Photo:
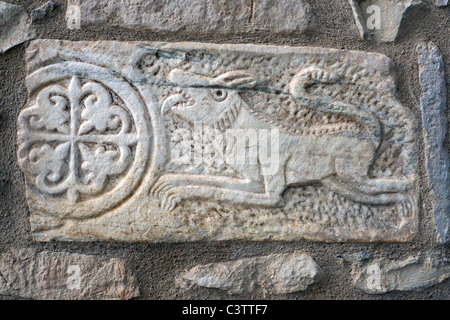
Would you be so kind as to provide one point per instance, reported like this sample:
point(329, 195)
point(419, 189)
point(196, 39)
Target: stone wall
point(97, 97)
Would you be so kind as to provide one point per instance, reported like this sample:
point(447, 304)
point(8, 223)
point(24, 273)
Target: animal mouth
point(179, 101)
point(183, 101)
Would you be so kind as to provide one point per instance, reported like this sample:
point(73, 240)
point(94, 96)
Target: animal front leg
point(173, 195)
point(173, 181)
point(179, 180)
point(171, 189)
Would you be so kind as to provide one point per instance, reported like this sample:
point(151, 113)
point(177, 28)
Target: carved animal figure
point(337, 155)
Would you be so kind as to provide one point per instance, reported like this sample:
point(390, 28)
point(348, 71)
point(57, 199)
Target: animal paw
point(160, 186)
point(169, 199)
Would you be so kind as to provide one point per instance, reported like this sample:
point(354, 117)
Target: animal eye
point(219, 95)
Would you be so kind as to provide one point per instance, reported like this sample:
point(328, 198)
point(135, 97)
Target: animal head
point(211, 100)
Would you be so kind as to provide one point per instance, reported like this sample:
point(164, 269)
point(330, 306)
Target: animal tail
point(298, 88)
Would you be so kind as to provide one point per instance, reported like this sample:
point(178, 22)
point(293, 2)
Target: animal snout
point(177, 101)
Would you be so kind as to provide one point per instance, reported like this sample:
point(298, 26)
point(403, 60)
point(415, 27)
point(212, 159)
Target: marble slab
point(173, 142)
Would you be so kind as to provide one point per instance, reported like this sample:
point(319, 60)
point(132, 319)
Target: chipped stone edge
point(357, 16)
point(27, 31)
point(364, 32)
point(363, 273)
point(185, 282)
point(441, 3)
point(433, 105)
point(32, 292)
point(85, 20)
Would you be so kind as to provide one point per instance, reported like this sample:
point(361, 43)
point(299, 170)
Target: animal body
point(337, 155)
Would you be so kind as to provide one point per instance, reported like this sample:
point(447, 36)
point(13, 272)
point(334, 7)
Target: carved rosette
point(83, 140)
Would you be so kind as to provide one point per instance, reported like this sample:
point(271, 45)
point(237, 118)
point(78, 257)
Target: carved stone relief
point(186, 141)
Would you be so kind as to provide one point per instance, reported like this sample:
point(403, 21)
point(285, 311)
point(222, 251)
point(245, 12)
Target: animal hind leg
point(341, 187)
point(354, 169)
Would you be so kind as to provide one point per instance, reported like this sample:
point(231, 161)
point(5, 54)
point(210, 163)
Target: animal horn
point(237, 78)
point(231, 79)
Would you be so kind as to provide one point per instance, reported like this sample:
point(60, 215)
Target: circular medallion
point(84, 140)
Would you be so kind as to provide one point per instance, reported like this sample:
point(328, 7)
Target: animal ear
point(237, 78)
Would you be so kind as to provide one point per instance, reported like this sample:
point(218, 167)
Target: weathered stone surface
point(202, 16)
point(413, 273)
point(381, 20)
point(70, 276)
point(14, 26)
point(43, 11)
point(441, 3)
point(147, 141)
point(355, 257)
point(273, 274)
point(434, 105)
